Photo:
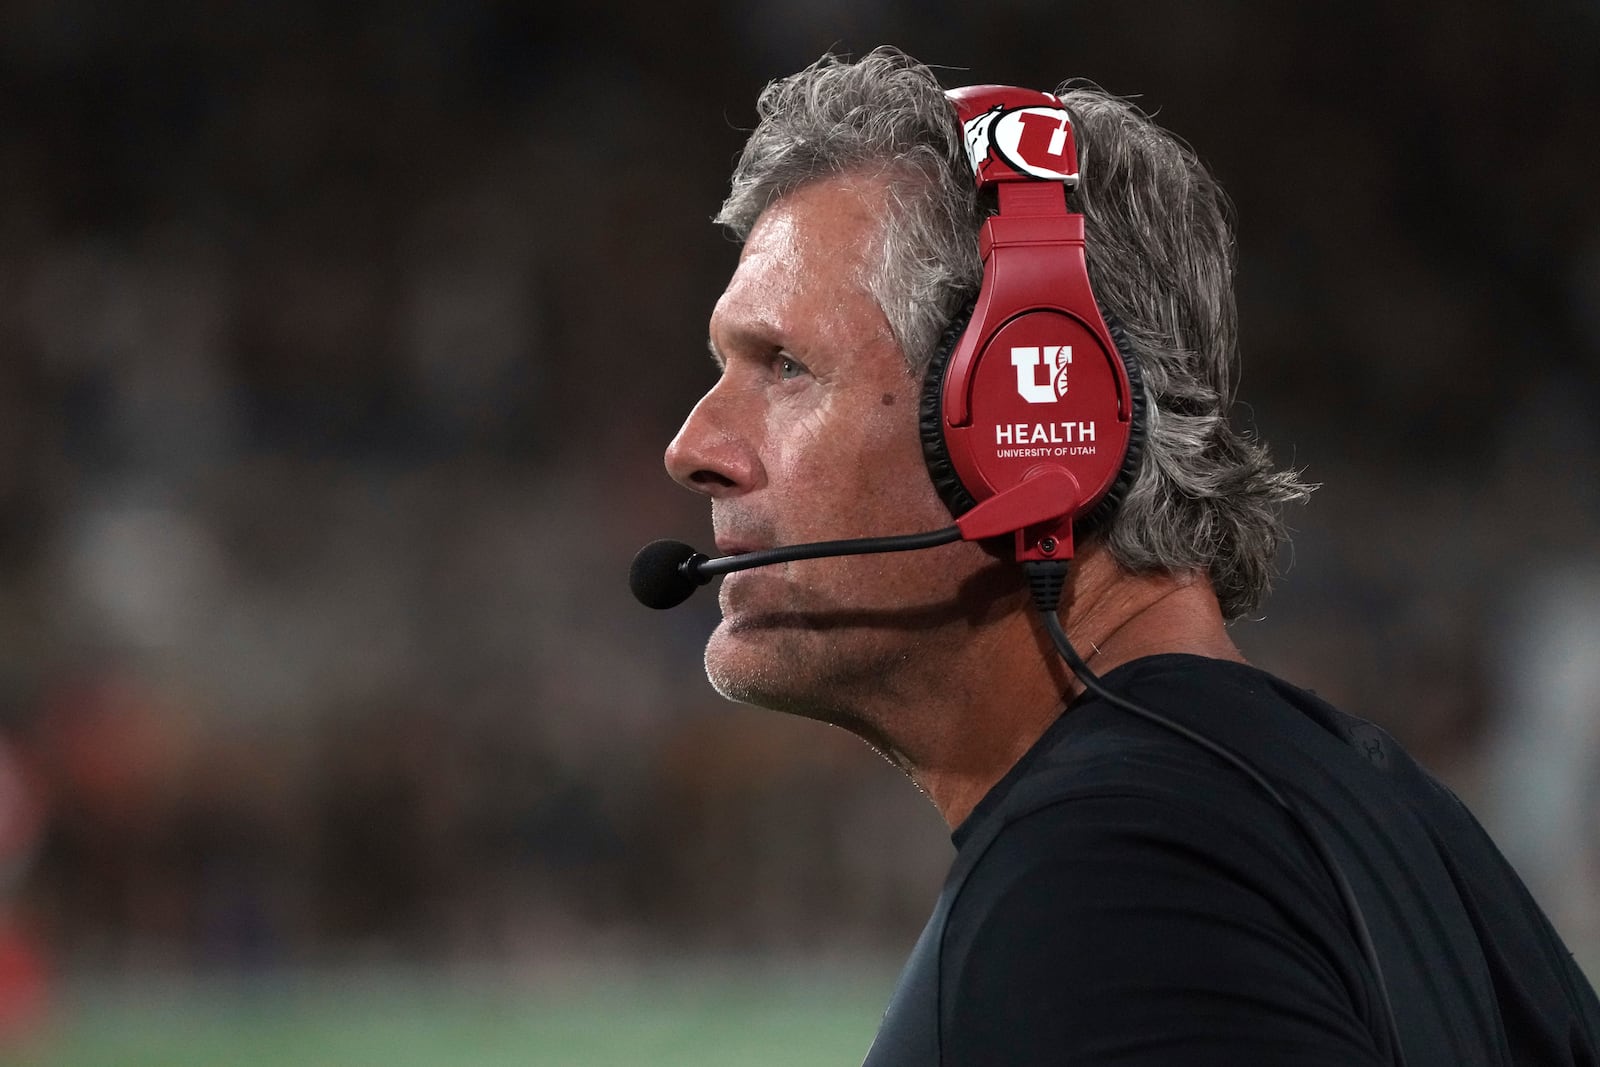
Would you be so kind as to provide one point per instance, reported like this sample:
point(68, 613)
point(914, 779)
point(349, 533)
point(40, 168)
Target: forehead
point(829, 216)
point(807, 258)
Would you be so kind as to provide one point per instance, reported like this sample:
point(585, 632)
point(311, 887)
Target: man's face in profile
point(811, 434)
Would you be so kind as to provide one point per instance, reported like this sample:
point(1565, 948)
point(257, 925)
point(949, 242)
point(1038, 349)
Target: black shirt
point(1122, 896)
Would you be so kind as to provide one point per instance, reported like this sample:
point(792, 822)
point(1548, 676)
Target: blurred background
point(338, 348)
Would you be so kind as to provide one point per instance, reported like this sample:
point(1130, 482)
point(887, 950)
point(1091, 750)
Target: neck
point(980, 714)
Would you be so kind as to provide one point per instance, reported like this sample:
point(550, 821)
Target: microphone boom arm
point(699, 569)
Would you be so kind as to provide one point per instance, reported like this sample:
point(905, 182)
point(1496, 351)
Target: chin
point(769, 666)
point(742, 664)
point(746, 669)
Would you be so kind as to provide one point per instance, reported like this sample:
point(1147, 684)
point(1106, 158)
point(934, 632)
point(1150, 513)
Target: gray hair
point(1160, 252)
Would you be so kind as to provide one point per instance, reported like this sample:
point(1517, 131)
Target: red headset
point(1032, 403)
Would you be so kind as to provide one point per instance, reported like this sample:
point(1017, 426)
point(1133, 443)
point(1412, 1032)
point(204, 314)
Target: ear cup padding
point(936, 454)
point(930, 418)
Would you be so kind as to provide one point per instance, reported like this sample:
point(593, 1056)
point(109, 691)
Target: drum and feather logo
point(1031, 140)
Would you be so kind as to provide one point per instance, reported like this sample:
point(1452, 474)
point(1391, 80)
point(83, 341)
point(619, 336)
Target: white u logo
point(1055, 358)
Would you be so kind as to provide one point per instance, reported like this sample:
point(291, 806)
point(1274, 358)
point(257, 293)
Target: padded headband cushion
point(937, 456)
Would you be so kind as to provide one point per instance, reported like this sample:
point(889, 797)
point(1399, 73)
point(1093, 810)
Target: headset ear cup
point(937, 455)
point(931, 418)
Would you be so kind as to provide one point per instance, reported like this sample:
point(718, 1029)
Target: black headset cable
point(1046, 579)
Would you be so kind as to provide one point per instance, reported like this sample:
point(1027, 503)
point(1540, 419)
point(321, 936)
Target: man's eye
point(789, 367)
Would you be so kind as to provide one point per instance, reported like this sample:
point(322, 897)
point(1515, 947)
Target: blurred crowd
point(340, 344)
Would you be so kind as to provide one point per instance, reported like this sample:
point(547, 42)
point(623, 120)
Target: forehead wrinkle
point(739, 328)
point(758, 308)
point(779, 261)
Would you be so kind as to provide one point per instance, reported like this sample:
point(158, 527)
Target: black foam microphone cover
point(657, 577)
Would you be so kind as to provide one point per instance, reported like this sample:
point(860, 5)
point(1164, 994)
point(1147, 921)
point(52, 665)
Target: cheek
point(862, 459)
point(892, 457)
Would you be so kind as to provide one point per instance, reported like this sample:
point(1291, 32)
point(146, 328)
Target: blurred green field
point(704, 1015)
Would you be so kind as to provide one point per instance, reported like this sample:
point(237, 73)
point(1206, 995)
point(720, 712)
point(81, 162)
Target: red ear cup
point(1031, 379)
point(937, 455)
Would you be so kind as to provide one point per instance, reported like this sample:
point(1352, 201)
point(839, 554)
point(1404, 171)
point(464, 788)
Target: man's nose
point(715, 452)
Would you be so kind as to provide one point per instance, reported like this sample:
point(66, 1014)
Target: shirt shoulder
point(1120, 922)
point(1127, 873)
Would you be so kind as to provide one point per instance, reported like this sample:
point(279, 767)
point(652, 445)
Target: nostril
point(711, 479)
